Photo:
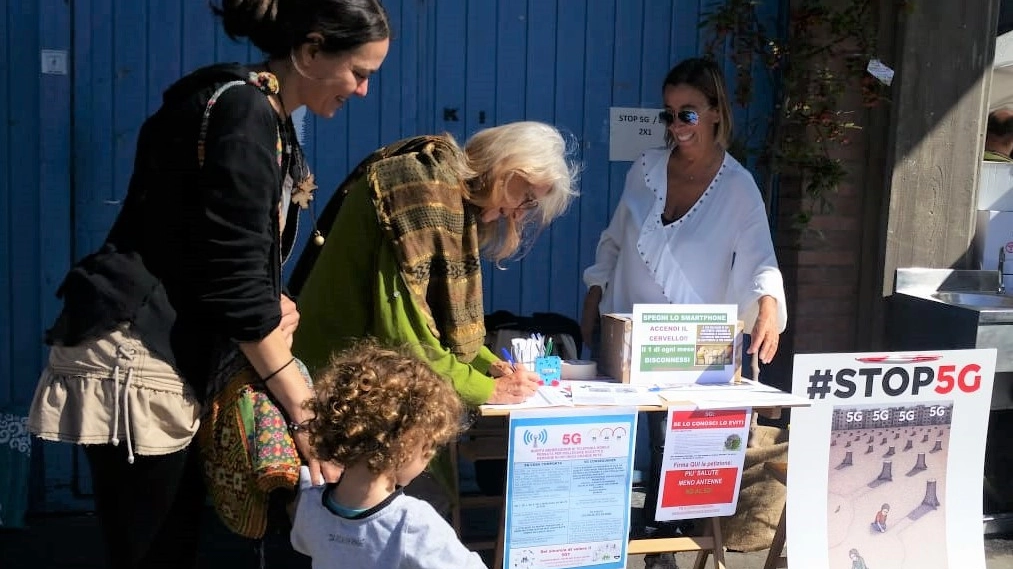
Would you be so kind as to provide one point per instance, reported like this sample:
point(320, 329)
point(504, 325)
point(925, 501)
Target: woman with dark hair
point(690, 228)
point(191, 270)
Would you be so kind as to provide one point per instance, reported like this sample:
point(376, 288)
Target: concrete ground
point(72, 542)
point(998, 555)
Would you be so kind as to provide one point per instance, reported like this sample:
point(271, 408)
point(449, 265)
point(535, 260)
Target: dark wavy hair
point(277, 27)
point(380, 405)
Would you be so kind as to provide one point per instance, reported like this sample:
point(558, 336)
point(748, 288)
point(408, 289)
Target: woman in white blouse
point(690, 228)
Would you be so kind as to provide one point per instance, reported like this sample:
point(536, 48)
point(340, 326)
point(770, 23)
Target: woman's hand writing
point(515, 387)
point(765, 335)
point(499, 368)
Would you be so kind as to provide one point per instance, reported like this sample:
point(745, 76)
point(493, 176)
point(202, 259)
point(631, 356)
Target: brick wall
point(821, 265)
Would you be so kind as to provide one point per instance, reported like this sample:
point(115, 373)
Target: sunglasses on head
point(685, 116)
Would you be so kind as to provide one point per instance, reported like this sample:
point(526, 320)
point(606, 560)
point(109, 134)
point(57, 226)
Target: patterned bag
point(248, 452)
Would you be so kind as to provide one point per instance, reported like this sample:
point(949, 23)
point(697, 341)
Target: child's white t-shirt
point(401, 532)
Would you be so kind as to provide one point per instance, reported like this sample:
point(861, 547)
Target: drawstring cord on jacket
point(128, 355)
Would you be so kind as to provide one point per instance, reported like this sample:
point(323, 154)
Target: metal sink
point(950, 309)
point(976, 299)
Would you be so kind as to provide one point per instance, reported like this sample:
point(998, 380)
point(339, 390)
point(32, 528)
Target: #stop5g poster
point(885, 468)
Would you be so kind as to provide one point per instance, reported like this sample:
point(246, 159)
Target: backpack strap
point(267, 84)
point(309, 255)
point(254, 80)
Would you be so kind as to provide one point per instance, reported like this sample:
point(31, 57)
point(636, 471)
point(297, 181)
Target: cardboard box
point(617, 344)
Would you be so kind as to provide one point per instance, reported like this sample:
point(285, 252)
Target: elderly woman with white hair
point(408, 229)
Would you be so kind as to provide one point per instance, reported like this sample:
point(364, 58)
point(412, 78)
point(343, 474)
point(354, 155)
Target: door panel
point(563, 62)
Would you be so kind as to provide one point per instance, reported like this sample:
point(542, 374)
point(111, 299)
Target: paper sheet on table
point(742, 385)
point(546, 396)
point(599, 393)
point(731, 396)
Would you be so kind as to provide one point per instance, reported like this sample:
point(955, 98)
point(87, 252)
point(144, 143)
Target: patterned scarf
point(420, 206)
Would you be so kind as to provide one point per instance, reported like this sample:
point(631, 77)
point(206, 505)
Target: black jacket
point(194, 257)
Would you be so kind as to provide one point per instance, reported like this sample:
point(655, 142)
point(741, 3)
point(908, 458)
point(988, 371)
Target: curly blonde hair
point(380, 405)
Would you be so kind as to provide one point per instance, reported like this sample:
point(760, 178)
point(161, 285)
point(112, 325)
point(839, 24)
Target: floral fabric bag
point(248, 451)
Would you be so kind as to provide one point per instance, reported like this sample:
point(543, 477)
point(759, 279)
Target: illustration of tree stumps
point(846, 461)
point(930, 502)
point(919, 465)
point(931, 499)
point(885, 475)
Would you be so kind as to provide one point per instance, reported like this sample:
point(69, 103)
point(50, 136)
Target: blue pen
point(506, 355)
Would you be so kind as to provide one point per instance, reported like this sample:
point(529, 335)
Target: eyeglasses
point(512, 190)
point(685, 116)
point(529, 202)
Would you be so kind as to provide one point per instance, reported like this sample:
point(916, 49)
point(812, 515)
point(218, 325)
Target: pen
point(506, 356)
point(548, 347)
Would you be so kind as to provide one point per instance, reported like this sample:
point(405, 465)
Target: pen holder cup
point(549, 368)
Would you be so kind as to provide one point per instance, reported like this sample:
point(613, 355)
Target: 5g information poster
point(569, 474)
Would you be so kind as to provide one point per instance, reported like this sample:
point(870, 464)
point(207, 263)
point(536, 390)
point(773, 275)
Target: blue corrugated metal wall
point(454, 65)
point(36, 208)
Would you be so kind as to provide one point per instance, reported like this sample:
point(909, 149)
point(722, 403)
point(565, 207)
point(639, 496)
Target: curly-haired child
point(382, 413)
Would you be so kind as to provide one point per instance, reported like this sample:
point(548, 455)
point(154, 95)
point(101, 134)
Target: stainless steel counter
point(952, 309)
point(943, 309)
